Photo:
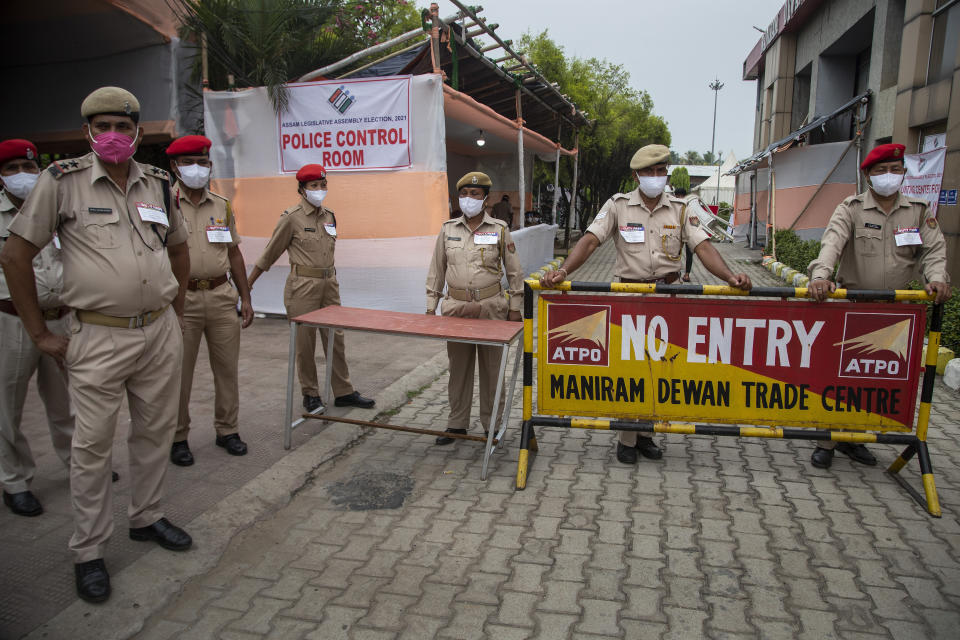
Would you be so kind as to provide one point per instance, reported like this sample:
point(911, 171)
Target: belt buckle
point(137, 322)
point(203, 285)
point(474, 294)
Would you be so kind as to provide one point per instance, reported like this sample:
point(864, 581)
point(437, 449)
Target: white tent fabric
point(713, 191)
point(242, 126)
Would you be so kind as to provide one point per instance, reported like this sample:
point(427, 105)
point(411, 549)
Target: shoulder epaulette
point(498, 221)
point(217, 195)
point(853, 198)
point(617, 196)
point(59, 168)
point(292, 209)
point(156, 172)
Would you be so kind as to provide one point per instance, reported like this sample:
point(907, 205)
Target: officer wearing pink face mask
point(125, 269)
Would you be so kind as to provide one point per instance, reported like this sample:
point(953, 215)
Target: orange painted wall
point(790, 202)
point(397, 204)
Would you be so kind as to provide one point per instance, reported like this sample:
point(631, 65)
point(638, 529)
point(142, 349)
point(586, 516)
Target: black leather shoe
point(821, 458)
point(233, 444)
point(114, 476)
point(353, 400)
point(648, 449)
point(165, 534)
point(23, 503)
point(93, 581)
point(858, 453)
point(312, 403)
point(445, 440)
point(180, 454)
point(627, 455)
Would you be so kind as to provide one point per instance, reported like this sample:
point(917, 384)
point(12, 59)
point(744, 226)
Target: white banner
point(924, 176)
point(346, 125)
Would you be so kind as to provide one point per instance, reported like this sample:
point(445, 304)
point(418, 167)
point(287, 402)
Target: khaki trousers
point(104, 363)
point(212, 314)
point(463, 359)
point(301, 295)
point(19, 359)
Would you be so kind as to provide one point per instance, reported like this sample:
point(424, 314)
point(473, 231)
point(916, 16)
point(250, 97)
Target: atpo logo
point(876, 346)
point(578, 334)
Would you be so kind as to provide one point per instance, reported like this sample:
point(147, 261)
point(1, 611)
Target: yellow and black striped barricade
point(690, 364)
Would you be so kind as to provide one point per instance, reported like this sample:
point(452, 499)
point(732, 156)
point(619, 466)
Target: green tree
point(692, 157)
point(622, 119)
point(270, 42)
point(709, 157)
point(680, 179)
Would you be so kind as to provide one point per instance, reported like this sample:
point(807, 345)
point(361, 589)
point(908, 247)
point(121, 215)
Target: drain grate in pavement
point(372, 490)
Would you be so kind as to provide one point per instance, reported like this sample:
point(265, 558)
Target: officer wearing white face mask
point(649, 229)
point(210, 309)
point(19, 357)
point(308, 233)
point(881, 239)
point(470, 257)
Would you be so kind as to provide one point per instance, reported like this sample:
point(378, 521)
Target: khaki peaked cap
point(650, 155)
point(110, 100)
point(474, 179)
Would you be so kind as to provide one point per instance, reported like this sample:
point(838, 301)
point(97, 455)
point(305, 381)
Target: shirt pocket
point(454, 250)
point(868, 242)
point(102, 226)
point(490, 257)
point(671, 243)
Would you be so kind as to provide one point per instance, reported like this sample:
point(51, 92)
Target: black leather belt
point(669, 278)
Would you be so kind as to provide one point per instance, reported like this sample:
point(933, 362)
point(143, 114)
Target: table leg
point(508, 408)
point(288, 415)
point(491, 428)
point(328, 383)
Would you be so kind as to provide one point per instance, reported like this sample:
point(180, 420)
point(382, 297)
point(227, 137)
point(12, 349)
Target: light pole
point(716, 85)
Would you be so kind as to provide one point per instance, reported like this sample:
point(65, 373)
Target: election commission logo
point(578, 334)
point(341, 99)
point(875, 346)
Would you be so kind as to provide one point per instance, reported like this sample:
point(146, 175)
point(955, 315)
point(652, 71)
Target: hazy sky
point(672, 50)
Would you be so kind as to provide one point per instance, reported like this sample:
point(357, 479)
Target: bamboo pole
point(573, 192)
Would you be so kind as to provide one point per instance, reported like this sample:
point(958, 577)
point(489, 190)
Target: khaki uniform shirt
point(113, 262)
point(207, 259)
point(307, 233)
point(649, 243)
point(460, 262)
point(47, 267)
point(862, 238)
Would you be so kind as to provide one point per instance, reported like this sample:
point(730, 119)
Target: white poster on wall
point(924, 176)
point(346, 125)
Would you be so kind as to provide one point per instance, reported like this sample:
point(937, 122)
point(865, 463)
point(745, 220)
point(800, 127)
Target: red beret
point(16, 148)
point(311, 172)
point(883, 153)
point(190, 146)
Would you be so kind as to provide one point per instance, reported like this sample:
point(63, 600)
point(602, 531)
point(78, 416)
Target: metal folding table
point(498, 333)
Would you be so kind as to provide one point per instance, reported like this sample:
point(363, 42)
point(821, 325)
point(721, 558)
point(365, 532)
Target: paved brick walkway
point(723, 538)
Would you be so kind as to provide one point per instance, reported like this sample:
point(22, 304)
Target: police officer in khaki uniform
point(19, 357)
point(308, 233)
point(650, 229)
point(881, 239)
point(470, 257)
point(125, 267)
point(211, 305)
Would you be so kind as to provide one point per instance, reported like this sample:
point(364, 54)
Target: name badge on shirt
point(906, 236)
point(152, 213)
point(633, 234)
point(485, 237)
point(330, 228)
point(219, 234)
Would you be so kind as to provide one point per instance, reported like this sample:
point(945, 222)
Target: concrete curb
point(785, 273)
point(147, 585)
